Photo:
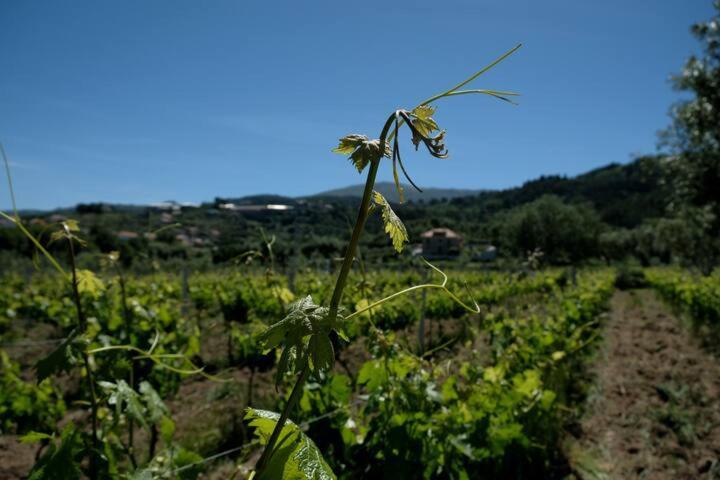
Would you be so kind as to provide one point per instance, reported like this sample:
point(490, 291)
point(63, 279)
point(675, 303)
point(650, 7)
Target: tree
point(564, 233)
point(694, 140)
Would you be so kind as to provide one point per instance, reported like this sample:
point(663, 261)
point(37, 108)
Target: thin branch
point(9, 180)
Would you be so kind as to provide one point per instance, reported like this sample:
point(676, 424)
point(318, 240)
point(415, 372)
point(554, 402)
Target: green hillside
point(614, 198)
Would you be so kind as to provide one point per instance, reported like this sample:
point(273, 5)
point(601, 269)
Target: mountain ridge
point(389, 191)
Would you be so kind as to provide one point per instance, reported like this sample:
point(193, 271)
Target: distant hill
point(388, 190)
point(623, 196)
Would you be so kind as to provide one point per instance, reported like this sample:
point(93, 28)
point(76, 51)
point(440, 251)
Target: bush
point(630, 277)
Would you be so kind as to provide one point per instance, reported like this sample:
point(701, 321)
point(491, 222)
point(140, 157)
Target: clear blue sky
point(143, 101)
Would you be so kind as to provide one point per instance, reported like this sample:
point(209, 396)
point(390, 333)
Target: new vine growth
point(305, 335)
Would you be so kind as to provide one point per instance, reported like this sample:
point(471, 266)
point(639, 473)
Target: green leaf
point(361, 150)
point(57, 235)
point(373, 375)
point(493, 374)
point(424, 112)
point(558, 355)
point(189, 462)
point(156, 409)
point(349, 143)
point(460, 442)
point(361, 304)
point(423, 120)
point(527, 383)
point(322, 353)
point(89, 283)
point(59, 462)
point(71, 225)
point(503, 434)
point(296, 457)
point(62, 359)
point(167, 429)
point(449, 391)
point(340, 388)
point(342, 333)
point(126, 400)
point(547, 399)
point(304, 319)
point(275, 334)
point(393, 225)
point(34, 437)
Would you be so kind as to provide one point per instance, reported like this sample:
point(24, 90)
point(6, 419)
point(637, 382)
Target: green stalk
point(352, 248)
point(359, 224)
point(354, 239)
point(294, 397)
point(18, 223)
point(86, 360)
point(9, 180)
point(131, 374)
point(336, 297)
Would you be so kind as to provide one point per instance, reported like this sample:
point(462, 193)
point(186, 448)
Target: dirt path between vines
point(655, 410)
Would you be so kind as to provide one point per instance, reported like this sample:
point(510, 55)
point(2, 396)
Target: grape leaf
point(373, 375)
point(71, 225)
point(156, 409)
point(167, 429)
point(59, 462)
point(349, 143)
point(361, 150)
point(306, 328)
point(89, 283)
point(393, 225)
point(527, 383)
point(188, 464)
point(295, 457)
point(423, 120)
point(126, 400)
point(34, 437)
point(62, 359)
point(322, 353)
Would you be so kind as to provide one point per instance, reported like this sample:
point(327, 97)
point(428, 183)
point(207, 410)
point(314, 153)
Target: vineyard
point(565, 328)
point(698, 295)
point(479, 394)
point(421, 387)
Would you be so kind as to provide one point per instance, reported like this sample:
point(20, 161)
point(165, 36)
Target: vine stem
point(354, 239)
point(131, 373)
point(93, 474)
point(337, 293)
point(294, 397)
point(18, 223)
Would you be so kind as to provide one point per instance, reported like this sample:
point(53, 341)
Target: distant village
point(435, 244)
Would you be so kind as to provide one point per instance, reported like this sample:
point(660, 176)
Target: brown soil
point(655, 413)
point(16, 458)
